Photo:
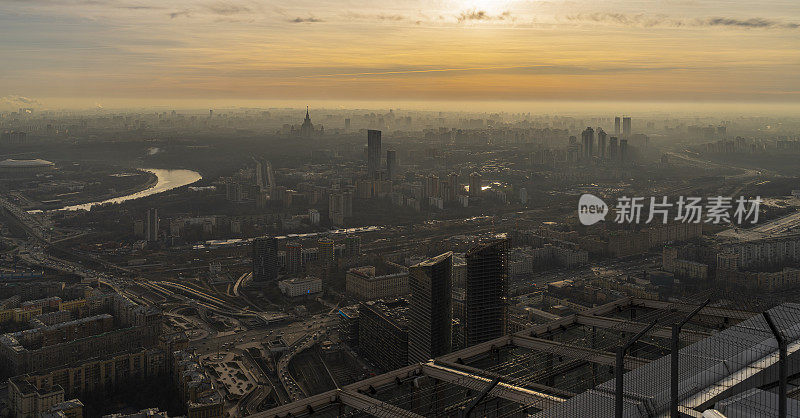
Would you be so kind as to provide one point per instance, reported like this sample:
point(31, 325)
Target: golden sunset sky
point(85, 52)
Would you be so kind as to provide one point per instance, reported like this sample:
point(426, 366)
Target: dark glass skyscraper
point(391, 164)
point(430, 325)
point(587, 137)
point(626, 127)
point(373, 153)
point(487, 274)
point(601, 143)
point(152, 225)
point(265, 259)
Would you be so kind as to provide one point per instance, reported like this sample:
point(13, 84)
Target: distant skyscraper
point(474, 185)
point(294, 257)
point(373, 153)
point(623, 151)
point(487, 274)
point(326, 251)
point(430, 325)
point(210, 113)
point(336, 208)
point(353, 245)
point(265, 259)
point(261, 180)
point(601, 143)
point(347, 124)
point(152, 225)
point(347, 203)
point(391, 164)
point(432, 186)
point(307, 128)
point(454, 189)
point(587, 141)
point(626, 127)
point(616, 126)
point(613, 149)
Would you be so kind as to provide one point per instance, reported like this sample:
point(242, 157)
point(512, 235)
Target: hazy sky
point(55, 52)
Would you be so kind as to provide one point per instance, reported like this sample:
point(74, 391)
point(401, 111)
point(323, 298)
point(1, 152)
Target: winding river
point(167, 180)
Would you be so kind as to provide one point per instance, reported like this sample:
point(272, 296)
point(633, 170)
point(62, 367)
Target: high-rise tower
point(373, 153)
point(152, 225)
point(430, 325)
point(587, 137)
point(487, 274)
point(626, 127)
point(265, 259)
point(391, 164)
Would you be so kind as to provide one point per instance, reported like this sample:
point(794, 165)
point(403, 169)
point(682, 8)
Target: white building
point(298, 287)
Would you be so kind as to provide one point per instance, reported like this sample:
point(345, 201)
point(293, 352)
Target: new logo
point(591, 209)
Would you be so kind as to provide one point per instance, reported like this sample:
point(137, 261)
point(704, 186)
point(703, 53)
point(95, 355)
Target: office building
point(587, 143)
point(601, 143)
point(623, 151)
point(300, 286)
point(294, 257)
point(152, 225)
point(487, 273)
point(383, 333)
point(363, 283)
point(265, 259)
point(326, 251)
point(373, 153)
point(616, 126)
point(391, 164)
point(430, 316)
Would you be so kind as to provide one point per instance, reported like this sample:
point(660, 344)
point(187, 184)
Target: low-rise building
point(300, 286)
point(362, 283)
point(29, 400)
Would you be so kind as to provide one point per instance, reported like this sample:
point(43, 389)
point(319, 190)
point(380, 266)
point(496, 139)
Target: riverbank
point(165, 180)
point(151, 181)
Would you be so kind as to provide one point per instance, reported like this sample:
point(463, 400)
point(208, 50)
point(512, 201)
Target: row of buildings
point(766, 264)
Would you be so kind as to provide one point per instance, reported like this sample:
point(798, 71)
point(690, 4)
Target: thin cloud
point(181, 13)
point(754, 23)
point(376, 17)
point(642, 20)
point(481, 15)
point(227, 9)
point(306, 20)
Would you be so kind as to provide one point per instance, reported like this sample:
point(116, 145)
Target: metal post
point(676, 345)
point(594, 365)
point(620, 369)
point(673, 381)
point(618, 379)
point(782, 365)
